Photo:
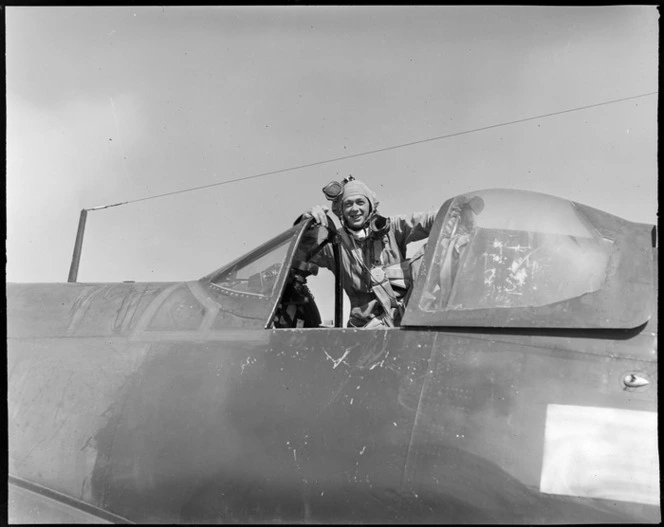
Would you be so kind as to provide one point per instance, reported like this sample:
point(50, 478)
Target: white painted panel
point(601, 453)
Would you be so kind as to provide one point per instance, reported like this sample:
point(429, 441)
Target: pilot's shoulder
point(413, 218)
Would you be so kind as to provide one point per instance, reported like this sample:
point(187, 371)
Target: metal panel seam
point(417, 411)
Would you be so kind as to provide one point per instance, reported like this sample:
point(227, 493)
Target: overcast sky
point(120, 103)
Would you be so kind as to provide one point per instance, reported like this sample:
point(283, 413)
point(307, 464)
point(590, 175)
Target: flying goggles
point(334, 189)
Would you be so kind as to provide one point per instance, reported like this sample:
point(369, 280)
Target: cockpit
point(497, 258)
point(255, 279)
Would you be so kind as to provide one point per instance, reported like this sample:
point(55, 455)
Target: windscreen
point(257, 276)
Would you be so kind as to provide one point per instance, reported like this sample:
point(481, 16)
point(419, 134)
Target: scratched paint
point(523, 269)
point(189, 420)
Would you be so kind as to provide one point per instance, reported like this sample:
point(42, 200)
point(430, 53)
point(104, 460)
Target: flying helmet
point(335, 191)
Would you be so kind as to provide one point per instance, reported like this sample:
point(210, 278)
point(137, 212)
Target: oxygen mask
point(379, 226)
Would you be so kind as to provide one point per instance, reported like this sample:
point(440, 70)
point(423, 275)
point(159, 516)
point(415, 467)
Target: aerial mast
point(78, 245)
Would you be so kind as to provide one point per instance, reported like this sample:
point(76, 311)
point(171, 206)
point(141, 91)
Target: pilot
point(376, 274)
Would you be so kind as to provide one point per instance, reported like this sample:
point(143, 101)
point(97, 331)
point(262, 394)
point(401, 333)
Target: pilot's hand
point(318, 213)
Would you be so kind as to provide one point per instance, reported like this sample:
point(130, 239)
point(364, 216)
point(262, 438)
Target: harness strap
point(341, 232)
point(380, 284)
point(383, 291)
point(382, 288)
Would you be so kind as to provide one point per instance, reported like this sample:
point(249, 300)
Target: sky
point(115, 104)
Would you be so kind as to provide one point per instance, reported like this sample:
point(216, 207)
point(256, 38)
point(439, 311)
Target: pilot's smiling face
point(356, 211)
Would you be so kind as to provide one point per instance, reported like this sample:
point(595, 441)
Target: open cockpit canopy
point(509, 258)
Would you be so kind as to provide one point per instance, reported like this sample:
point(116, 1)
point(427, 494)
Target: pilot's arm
point(412, 227)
